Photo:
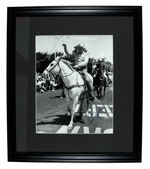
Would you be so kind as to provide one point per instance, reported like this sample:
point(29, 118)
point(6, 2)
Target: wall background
point(146, 78)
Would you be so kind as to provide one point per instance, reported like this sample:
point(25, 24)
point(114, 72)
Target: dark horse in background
point(100, 82)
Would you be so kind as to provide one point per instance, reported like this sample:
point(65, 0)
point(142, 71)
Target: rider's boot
point(88, 84)
point(89, 87)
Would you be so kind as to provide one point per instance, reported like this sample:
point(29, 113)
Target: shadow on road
point(55, 97)
point(61, 120)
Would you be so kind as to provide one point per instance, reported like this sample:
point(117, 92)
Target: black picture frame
point(13, 154)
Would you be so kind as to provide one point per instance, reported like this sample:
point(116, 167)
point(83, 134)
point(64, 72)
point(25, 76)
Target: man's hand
point(64, 45)
point(65, 49)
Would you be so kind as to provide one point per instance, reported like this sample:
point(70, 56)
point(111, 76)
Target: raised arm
point(65, 49)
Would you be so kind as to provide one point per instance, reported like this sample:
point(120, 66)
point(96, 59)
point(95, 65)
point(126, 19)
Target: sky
point(98, 46)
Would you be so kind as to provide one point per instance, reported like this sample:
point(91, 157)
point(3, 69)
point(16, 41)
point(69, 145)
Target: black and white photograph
point(74, 84)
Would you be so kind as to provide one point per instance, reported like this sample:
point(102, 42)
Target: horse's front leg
point(74, 104)
point(68, 107)
point(81, 110)
point(97, 89)
point(100, 92)
point(104, 91)
point(104, 88)
point(68, 103)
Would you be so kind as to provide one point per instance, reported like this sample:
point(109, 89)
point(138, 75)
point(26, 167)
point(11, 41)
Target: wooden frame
point(136, 13)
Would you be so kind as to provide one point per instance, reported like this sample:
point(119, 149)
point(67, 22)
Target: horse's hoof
point(69, 126)
point(68, 114)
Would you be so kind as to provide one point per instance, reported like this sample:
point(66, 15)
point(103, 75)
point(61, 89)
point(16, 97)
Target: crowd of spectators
point(44, 84)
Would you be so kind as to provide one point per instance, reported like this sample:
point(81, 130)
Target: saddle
point(86, 83)
point(79, 70)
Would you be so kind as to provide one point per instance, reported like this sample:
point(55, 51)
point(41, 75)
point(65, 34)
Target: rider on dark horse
point(90, 66)
point(79, 60)
point(100, 68)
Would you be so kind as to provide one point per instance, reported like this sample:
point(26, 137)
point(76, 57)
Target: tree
point(41, 61)
point(41, 56)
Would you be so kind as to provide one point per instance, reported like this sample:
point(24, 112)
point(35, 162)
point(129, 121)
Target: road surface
point(51, 115)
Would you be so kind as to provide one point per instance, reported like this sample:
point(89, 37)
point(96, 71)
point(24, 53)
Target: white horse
point(74, 84)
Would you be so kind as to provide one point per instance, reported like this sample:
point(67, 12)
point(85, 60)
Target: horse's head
point(53, 66)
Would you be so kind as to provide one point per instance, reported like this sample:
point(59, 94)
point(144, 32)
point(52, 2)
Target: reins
point(73, 86)
point(73, 71)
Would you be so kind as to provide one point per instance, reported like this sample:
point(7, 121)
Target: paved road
point(52, 116)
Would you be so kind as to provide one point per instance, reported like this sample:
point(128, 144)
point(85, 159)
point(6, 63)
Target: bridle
point(57, 63)
point(50, 71)
point(70, 87)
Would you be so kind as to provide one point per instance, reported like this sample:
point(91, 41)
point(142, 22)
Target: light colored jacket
point(79, 59)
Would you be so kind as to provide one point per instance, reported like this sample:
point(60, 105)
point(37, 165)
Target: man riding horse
point(100, 79)
point(74, 84)
point(79, 60)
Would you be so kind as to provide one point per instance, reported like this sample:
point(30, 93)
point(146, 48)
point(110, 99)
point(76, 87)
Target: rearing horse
point(74, 84)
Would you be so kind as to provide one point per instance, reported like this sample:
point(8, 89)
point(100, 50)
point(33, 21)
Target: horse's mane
point(68, 64)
